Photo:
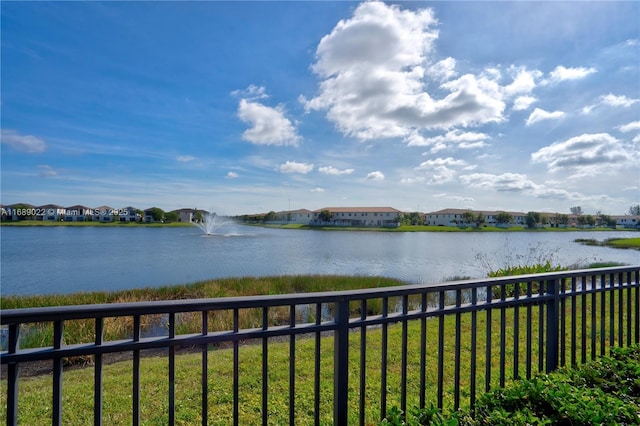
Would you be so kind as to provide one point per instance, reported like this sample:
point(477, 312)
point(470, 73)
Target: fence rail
point(407, 345)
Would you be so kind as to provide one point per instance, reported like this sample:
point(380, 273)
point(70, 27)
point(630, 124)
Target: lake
point(46, 260)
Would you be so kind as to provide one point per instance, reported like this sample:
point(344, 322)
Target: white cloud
point(540, 114)
point(502, 182)
point(252, 92)
point(443, 70)
point(293, 167)
point(372, 72)
point(454, 138)
point(47, 171)
point(587, 153)
point(438, 162)
point(523, 102)
point(330, 170)
point(269, 126)
point(524, 81)
point(232, 175)
point(630, 127)
point(438, 170)
point(185, 158)
point(377, 175)
point(317, 190)
point(561, 73)
point(23, 143)
point(612, 101)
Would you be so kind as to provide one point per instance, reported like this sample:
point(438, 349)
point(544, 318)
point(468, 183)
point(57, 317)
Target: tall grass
point(83, 331)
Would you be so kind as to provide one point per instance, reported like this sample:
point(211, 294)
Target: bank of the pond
point(402, 228)
point(622, 243)
point(96, 224)
point(431, 228)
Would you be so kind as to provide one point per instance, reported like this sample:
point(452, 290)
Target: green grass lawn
point(36, 393)
point(624, 243)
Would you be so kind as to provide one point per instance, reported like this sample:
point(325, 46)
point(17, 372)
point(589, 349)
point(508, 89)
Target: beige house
point(358, 216)
point(453, 217)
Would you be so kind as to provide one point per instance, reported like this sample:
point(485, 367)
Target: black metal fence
point(407, 346)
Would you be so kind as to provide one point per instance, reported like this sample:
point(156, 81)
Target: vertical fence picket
point(204, 412)
point(58, 337)
point(97, 374)
point(136, 374)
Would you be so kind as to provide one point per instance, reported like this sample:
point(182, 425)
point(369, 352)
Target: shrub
point(604, 391)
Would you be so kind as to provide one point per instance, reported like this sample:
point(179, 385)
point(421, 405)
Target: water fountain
point(210, 222)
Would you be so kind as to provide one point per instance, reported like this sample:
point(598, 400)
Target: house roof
point(359, 210)
point(484, 212)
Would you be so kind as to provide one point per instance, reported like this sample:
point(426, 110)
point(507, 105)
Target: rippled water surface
point(70, 259)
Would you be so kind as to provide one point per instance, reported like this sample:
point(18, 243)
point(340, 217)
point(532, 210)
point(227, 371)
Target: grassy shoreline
point(402, 228)
point(621, 243)
point(433, 228)
point(26, 223)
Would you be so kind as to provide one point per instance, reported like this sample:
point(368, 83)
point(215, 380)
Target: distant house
point(627, 221)
point(148, 215)
point(77, 213)
point(19, 211)
point(454, 217)
point(190, 215)
point(50, 212)
point(300, 216)
point(358, 216)
point(103, 214)
point(129, 214)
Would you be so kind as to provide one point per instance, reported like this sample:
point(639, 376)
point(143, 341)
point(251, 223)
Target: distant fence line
point(458, 338)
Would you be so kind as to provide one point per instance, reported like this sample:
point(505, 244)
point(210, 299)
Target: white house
point(627, 221)
point(50, 212)
point(358, 216)
point(103, 214)
point(453, 217)
point(129, 214)
point(77, 213)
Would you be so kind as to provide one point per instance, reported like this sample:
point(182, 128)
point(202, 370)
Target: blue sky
point(247, 107)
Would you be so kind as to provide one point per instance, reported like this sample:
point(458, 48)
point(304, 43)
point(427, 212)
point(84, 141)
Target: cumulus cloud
point(441, 170)
point(454, 138)
point(516, 182)
point(294, 167)
point(372, 71)
point(329, 170)
point(630, 127)
point(185, 158)
point(612, 101)
point(268, 125)
point(561, 73)
point(317, 190)
point(23, 143)
point(587, 153)
point(524, 81)
point(502, 182)
point(540, 114)
point(523, 102)
point(438, 162)
point(232, 175)
point(377, 175)
point(443, 70)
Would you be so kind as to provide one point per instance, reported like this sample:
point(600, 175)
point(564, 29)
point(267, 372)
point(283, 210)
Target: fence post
point(552, 308)
point(341, 364)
